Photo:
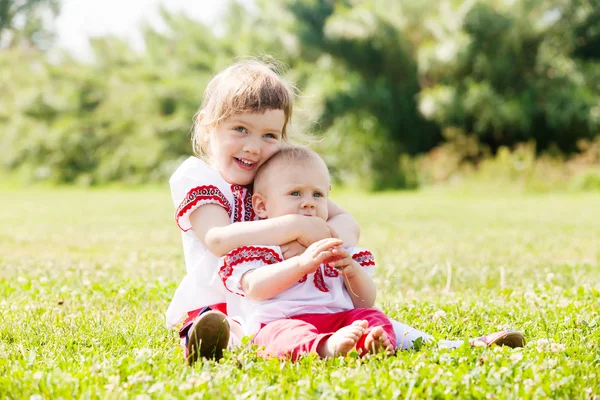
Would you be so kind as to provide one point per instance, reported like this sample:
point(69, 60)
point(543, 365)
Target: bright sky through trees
point(80, 19)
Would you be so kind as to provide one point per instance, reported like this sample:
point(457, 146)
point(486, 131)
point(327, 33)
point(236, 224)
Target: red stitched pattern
point(364, 258)
point(238, 193)
point(319, 281)
point(249, 214)
point(303, 279)
point(246, 254)
point(207, 194)
point(330, 271)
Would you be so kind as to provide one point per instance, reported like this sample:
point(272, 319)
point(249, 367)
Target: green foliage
point(83, 296)
point(383, 82)
point(26, 22)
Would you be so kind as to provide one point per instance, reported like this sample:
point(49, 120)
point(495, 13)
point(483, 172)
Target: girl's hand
point(292, 249)
point(314, 229)
point(342, 261)
point(317, 253)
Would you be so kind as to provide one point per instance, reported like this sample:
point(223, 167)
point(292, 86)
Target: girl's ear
point(259, 205)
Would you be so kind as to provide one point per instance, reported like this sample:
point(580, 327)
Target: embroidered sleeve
point(196, 197)
point(243, 259)
point(364, 258)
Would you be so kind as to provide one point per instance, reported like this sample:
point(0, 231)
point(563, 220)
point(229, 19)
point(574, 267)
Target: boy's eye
point(240, 129)
point(271, 135)
point(295, 193)
point(318, 194)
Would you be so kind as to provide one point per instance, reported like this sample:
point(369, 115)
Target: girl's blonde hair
point(248, 86)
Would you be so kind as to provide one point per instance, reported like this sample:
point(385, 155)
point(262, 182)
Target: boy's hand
point(342, 261)
point(292, 249)
point(314, 229)
point(317, 253)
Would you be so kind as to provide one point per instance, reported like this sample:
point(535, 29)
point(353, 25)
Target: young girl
point(240, 125)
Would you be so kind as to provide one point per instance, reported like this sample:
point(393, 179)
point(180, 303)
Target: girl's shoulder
point(194, 167)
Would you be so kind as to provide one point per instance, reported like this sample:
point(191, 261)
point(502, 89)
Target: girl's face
point(244, 142)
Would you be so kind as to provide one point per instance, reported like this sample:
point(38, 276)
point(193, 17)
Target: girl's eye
point(271, 135)
point(318, 194)
point(295, 193)
point(240, 129)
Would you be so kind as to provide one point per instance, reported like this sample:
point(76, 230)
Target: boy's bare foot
point(343, 340)
point(377, 339)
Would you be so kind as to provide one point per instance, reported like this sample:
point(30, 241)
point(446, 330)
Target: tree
point(26, 22)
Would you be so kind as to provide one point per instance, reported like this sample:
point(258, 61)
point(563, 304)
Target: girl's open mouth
point(244, 164)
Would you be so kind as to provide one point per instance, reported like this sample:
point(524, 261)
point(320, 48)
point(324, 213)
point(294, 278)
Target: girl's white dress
point(193, 185)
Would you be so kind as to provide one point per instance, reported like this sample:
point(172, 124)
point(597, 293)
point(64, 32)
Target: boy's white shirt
point(193, 185)
point(317, 293)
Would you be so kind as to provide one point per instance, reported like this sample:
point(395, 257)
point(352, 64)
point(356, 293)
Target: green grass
point(85, 277)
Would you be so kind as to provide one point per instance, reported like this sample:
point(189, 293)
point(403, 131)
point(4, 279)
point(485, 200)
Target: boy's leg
point(323, 334)
point(380, 332)
point(288, 338)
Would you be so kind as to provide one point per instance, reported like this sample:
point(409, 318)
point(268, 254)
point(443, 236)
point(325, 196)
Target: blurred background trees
point(396, 88)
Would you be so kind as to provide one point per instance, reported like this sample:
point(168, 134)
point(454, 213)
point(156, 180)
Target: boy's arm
point(360, 286)
point(267, 282)
point(343, 224)
point(213, 227)
point(358, 282)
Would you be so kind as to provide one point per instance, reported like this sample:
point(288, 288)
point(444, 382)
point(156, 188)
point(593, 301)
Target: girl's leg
point(406, 336)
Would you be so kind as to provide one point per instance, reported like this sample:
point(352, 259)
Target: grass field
point(85, 277)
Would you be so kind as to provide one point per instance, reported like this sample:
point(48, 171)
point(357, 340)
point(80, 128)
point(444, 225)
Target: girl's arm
point(343, 224)
point(212, 226)
point(358, 282)
point(267, 282)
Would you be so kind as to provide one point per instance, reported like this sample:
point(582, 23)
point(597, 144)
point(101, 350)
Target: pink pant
point(302, 334)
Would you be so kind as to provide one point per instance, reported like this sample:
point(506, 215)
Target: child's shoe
point(502, 338)
point(207, 337)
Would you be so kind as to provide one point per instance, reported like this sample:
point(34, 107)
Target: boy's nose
point(308, 204)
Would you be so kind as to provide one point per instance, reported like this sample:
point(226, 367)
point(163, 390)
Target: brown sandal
point(503, 338)
point(208, 337)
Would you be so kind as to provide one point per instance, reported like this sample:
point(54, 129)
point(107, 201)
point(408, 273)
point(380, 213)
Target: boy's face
point(294, 189)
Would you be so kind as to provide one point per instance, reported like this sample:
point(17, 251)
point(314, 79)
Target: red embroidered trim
point(249, 214)
point(330, 271)
point(303, 279)
point(238, 193)
point(209, 194)
point(364, 258)
point(319, 281)
point(246, 254)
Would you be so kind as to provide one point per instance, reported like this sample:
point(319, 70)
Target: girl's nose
point(252, 146)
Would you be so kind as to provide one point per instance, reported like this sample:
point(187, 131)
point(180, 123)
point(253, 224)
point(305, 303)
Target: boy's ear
point(259, 205)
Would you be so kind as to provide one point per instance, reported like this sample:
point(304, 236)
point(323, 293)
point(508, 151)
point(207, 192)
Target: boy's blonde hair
point(249, 86)
point(292, 156)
